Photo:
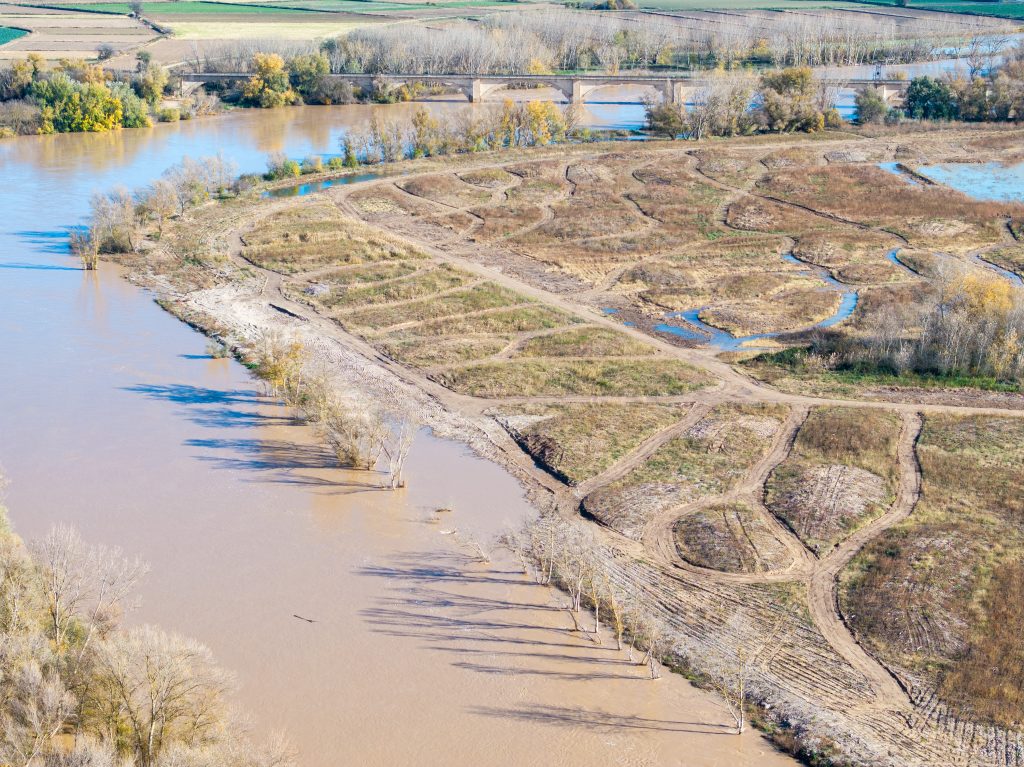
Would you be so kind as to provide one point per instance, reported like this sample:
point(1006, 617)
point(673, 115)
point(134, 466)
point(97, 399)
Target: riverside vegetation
point(78, 689)
point(823, 564)
point(38, 97)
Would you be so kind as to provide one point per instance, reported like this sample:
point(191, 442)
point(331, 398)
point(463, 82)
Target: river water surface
point(113, 419)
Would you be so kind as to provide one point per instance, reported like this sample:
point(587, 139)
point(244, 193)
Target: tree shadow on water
point(601, 720)
point(53, 241)
point(186, 394)
point(425, 603)
point(280, 462)
point(40, 267)
point(199, 397)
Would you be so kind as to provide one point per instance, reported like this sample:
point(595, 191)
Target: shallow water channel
point(114, 419)
point(717, 338)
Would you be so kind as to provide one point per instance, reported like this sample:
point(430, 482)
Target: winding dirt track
point(729, 385)
point(821, 592)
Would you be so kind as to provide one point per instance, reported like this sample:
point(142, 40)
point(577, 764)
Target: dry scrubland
point(820, 550)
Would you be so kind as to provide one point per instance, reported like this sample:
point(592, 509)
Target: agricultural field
point(66, 34)
point(586, 308)
point(9, 34)
point(484, 339)
point(706, 460)
point(1002, 8)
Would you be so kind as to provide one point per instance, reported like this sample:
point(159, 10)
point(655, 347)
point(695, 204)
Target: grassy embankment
point(941, 595)
point(840, 474)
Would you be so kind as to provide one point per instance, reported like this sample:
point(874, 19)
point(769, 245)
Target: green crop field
point(741, 5)
point(1009, 10)
point(371, 6)
point(184, 7)
point(9, 34)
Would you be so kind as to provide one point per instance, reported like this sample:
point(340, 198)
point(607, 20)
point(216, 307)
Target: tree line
point(79, 689)
point(74, 96)
point(361, 434)
point(119, 218)
point(993, 93)
point(965, 324)
point(731, 104)
point(553, 40)
point(567, 554)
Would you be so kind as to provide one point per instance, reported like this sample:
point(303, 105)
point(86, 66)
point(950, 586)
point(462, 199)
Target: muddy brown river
point(352, 621)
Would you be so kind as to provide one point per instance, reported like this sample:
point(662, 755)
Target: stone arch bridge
point(575, 88)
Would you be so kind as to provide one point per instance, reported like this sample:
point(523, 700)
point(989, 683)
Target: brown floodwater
point(406, 651)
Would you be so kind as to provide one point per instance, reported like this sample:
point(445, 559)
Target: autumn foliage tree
point(270, 85)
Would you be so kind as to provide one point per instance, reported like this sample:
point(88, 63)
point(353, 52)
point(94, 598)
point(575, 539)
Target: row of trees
point(534, 123)
point(562, 39)
point(300, 79)
point(360, 434)
point(568, 555)
point(734, 104)
point(994, 94)
point(542, 41)
point(79, 690)
point(967, 324)
point(119, 217)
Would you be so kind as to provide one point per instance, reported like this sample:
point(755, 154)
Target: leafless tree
point(84, 585)
point(398, 444)
point(166, 689)
point(37, 709)
point(86, 247)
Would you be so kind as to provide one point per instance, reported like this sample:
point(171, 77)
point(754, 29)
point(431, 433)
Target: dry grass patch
point(754, 214)
point(708, 460)
point(733, 168)
point(926, 595)
point(315, 235)
point(1010, 257)
point(364, 274)
point(795, 304)
point(503, 321)
point(577, 441)
point(686, 206)
point(385, 200)
point(552, 378)
point(489, 178)
point(928, 216)
point(841, 473)
point(428, 351)
point(445, 189)
point(504, 220)
point(540, 189)
point(486, 295)
point(586, 341)
point(851, 256)
point(420, 284)
point(731, 538)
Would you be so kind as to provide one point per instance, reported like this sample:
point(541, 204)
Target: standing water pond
point(352, 623)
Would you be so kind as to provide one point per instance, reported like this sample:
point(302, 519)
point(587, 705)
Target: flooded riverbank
point(982, 181)
point(354, 620)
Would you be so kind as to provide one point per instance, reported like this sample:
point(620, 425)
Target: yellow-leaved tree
point(269, 85)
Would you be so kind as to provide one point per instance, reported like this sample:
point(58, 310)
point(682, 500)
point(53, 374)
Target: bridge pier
point(891, 94)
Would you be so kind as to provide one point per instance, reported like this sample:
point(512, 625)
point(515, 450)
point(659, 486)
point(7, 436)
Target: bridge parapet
point(575, 89)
